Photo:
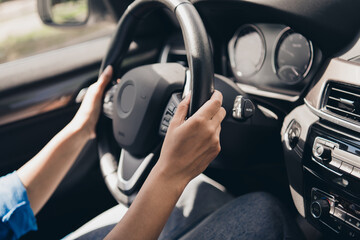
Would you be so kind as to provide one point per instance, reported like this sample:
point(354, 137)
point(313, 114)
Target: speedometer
point(246, 51)
point(293, 57)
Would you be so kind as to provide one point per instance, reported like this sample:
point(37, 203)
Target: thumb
point(105, 77)
point(181, 112)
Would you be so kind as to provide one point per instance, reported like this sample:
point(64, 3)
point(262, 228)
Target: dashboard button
point(321, 141)
point(167, 119)
point(163, 129)
point(319, 149)
point(353, 221)
point(335, 163)
point(338, 225)
point(357, 224)
point(172, 107)
point(329, 144)
point(319, 207)
point(249, 108)
point(350, 220)
point(356, 172)
point(165, 123)
point(352, 234)
point(346, 167)
point(340, 214)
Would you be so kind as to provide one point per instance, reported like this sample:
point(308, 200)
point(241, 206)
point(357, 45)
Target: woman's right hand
point(190, 145)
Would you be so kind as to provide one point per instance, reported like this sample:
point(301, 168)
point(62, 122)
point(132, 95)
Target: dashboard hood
point(333, 25)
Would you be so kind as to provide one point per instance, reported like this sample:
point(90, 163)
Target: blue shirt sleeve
point(16, 215)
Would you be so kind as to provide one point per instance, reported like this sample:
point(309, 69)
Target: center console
point(332, 181)
point(321, 142)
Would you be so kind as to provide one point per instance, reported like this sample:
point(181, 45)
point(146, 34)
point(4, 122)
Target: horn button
point(139, 103)
point(127, 96)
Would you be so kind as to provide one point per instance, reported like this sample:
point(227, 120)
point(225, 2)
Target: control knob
point(322, 152)
point(319, 208)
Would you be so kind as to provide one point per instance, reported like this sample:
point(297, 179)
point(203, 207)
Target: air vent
point(343, 101)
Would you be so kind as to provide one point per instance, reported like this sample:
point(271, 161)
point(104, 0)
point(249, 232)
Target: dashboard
point(263, 59)
point(276, 63)
point(300, 66)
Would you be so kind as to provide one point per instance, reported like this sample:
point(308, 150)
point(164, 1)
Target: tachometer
point(293, 57)
point(247, 51)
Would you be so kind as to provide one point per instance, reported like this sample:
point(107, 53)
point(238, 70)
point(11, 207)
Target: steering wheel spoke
point(132, 171)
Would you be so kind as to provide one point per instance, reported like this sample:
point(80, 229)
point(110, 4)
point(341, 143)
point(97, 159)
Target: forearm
point(43, 173)
point(188, 148)
point(150, 210)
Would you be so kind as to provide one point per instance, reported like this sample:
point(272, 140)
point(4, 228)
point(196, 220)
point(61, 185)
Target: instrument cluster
point(271, 57)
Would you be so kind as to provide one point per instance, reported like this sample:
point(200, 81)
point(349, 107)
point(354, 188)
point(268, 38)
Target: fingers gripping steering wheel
point(140, 102)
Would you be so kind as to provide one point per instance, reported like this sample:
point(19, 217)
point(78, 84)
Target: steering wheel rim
point(199, 58)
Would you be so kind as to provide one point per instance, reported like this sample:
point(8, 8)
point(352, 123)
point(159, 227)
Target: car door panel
point(37, 99)
point(30, 117)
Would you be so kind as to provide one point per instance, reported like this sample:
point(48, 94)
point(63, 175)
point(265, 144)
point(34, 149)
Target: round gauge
point(247, 51)
point(293, 57)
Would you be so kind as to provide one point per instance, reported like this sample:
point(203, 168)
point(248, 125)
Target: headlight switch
point(243, 108)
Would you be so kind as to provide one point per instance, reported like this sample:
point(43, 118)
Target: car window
point(23, 34)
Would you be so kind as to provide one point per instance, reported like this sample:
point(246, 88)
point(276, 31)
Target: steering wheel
point(137, 111)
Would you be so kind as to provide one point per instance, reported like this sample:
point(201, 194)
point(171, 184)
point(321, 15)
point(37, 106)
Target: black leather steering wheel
point(138, 102)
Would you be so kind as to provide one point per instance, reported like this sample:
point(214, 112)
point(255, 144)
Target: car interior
point(289, 72)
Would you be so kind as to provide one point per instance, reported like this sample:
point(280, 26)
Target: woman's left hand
point(89, 111)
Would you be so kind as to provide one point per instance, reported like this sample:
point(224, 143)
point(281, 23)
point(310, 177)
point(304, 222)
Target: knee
point(263, 201)
point(260, 200)
point(262, 206)
point(263, 214)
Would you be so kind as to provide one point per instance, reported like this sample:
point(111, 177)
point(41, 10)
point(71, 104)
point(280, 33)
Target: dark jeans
point(204, 212)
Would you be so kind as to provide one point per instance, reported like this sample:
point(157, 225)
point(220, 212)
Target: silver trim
point(323, 141)
point(324, 193)
point(255, 91)
point(298, 201)
point(108, 166)
point(126, 185)
point(328, 226)
point(332, 119)
point(346, 157)
point(286, 136)
point(267, 112)
point(329, 169)
point(340, 132)
point(352, 224)
point(188, 84)
point(338, 71)
point(111, 183)
point(280, 35)
point(346, 92)
point(311, 210)
point(165, 53)
point(340, 110)
point(237, 108)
